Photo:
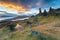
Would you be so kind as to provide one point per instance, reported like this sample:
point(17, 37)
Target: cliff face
point(57, 11)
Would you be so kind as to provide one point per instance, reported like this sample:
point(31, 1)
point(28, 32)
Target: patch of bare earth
point(49, 29)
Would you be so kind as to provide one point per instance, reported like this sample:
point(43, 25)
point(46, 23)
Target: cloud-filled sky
point(24, 5)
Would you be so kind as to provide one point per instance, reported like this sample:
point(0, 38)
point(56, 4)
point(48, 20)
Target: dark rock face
point(51, 12)
point(12, 27)
point(34, 32)
point(8, 24)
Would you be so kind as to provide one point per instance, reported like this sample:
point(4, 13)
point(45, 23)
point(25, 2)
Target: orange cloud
point(13, 6)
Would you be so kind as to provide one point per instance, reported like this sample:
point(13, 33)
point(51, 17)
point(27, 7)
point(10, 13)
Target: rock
point(31, 32)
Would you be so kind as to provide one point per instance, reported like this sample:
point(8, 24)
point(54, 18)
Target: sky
point(27, 6)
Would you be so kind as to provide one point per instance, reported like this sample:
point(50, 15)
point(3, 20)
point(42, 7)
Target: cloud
point(28, 3)
point(38, 4)
point(13, 6)
point(24, 5)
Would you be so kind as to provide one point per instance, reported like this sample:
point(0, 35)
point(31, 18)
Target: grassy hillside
point(36, 28)
point(26, 35)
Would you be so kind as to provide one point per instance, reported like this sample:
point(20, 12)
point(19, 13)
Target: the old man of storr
point(29, 19)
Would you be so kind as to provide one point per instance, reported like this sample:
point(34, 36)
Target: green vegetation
point(28, 36)
point(57, 25)
point(34, 21)
point(43, 20)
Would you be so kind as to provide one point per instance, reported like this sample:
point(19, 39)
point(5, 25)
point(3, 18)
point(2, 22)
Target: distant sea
point(5, 18)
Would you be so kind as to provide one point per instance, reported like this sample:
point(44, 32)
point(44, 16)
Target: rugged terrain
point(35, 28)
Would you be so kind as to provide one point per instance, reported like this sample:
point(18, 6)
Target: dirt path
point(49, 29)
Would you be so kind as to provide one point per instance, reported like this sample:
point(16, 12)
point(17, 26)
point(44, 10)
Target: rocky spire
point(45, 13)
point(51, 11)
point(40, 11)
